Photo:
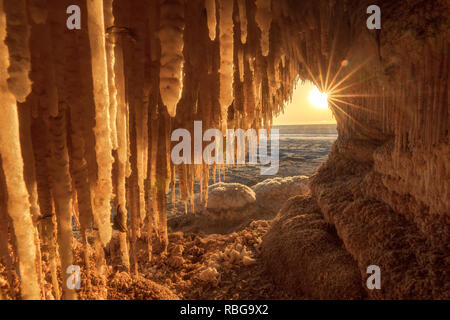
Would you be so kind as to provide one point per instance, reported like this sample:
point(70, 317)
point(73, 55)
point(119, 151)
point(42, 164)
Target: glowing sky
point(301, 110)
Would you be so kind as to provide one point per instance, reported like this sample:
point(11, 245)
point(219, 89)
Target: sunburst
point(339, 94)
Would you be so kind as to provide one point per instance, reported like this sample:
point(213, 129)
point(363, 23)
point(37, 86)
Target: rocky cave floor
point(197, 266)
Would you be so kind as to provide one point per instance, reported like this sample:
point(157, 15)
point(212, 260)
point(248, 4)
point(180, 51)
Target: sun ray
point(345, 113)
point(351, 84)
point(355, 95)
point(351, 73)
point(334, 79)
point(330, 62)
point(302, 59)
point(320, 75)
point(352, 104)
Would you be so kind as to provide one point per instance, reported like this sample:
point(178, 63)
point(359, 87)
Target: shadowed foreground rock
point(303, 254)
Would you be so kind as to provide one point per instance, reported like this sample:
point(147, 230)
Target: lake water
point(302, 149)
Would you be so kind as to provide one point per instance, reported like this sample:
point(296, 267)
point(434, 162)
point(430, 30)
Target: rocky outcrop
point(385, 187)
point(229, 196)
point(232, 205)
point(229, 206)
point(305, 256)
point(354, 199)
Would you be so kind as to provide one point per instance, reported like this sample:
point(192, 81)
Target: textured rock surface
point(230, 206)
point(304, 255)
point(355, 200)
point(229, 196)
point(271, 194)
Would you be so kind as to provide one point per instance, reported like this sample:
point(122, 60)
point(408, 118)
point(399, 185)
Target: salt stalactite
point(41, 43)
point(122, 150)
point(148, 188)
point(171, 37)
point(241, 63)
point(12, 164)
point(210, 6)
point(153, 124)
point(191, 187)
point(226, 58)
point(5, 256)
point(30, 175)
point(168, 165)
point(18, 33)
point(249, 94)
point(76, 94)
point(47, 219)
point(139, 24)
point(102, 130)
point(149, 220)
point(181, 172)
point(133, 191)
point(162, 182)
point(238, 79)
point(153, 150)
point(243, 19)
point(264, 19)
point(110, 45)
point(44, 103)
point(205, 184)
point(62, 195)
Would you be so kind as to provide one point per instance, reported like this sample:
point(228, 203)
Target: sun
point(318, 99)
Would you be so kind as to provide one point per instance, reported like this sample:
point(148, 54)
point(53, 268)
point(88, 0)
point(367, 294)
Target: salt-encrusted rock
point(271, 194)
point(248, 261)
point(234, 255)
point(209, 275)
point(177, 250)
point(123, 286)
point(229, 206)
point(176, 261)
point(225, 196)
point(302, 253)
point(232, 205)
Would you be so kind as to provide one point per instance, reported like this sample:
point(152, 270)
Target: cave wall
point(386, 184)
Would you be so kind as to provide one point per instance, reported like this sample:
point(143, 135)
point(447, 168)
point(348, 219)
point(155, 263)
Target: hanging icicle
point(243, 19)
point(171, 37)
point(264, 19)
point(12, 165)
point(226, 59)
point(210, 6)
point(102, 131)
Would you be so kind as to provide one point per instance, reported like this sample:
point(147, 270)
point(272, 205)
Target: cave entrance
point(307, 130)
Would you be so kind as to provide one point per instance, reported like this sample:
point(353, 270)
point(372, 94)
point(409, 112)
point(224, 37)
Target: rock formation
point(271, 194)
point(304, 254)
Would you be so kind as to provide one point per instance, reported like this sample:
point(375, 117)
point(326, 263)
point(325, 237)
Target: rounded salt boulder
point(229, 196)
point(271, 194)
